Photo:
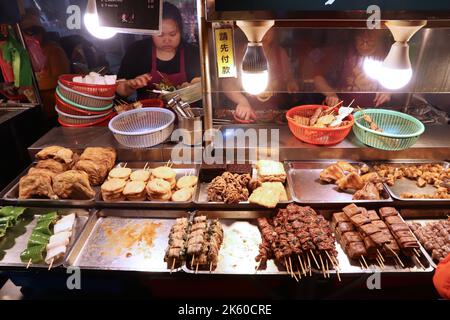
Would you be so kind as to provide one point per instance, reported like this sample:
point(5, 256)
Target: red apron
point(175, 79)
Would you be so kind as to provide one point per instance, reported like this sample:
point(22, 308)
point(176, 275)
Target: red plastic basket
point(98, 90)
point(152, 103)
point(103, 122)
point(317, 136)
point(69, 109)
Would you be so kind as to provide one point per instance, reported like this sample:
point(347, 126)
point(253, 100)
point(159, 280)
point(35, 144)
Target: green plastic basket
point(400, 131)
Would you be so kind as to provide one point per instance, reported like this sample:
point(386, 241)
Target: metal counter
point(432, 145)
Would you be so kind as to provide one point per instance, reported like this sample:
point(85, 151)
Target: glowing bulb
point(394, 79)
point(92, 24)
point(255, 82)
point(396, 71)
point(255, 74)
point(372, 67)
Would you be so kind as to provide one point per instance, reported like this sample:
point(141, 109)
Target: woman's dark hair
point(170, 11)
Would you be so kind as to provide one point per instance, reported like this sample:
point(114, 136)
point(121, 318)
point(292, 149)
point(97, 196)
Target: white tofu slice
point(66, 223)
point(55, 253)
point(59, 239)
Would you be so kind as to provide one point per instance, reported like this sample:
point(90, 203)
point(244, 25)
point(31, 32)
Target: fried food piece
point(140, 175)
point(350, 182)
point(165, 173)
point(52, 165)
point(184, 194)
point(270, 171)
point(105, 156)
point(346, 167)
point(368, 192)
point(36, 185)
point(95, 170)
point(120, 173)
point(45, 172)
point(187, 182)
point(332, 173)
point(57, 153)
point(315, 116)
point(135, 191)
point(371, 177)
point(277, 188)
point(264, 197)
point(112, 190)
point(73, 184)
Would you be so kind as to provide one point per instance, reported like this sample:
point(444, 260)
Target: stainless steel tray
point(425, 252)
point(16, 239)
point(405, 185)
point(240, 245)
point(201, 199)
point(110, 241)
point(180, 169)
point(306, 187)
point(11, 197)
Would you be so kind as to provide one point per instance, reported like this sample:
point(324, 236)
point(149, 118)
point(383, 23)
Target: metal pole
point(205, 64)
point(423, 45)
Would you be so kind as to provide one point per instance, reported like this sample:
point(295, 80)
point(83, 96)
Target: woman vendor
point(161, 61)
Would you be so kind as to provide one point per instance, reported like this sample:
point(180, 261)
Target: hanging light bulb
point(92, 24)
point(255, 71)
point(396, 71)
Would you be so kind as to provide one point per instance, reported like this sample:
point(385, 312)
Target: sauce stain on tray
point(125, 240)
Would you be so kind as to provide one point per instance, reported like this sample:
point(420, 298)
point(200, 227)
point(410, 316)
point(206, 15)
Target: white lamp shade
point(396, 71)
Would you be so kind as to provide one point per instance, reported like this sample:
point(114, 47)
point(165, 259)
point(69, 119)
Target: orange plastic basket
point(317, 136)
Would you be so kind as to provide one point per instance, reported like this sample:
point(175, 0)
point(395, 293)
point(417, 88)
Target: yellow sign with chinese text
point(226, 66)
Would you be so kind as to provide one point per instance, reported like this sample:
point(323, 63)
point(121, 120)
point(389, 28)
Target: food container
point(317, 136)
point(103, 91)
point(191, 129)
point(68, 119)
point(143, 128)
point(400, 130)
point(82, 106)
point(83, 98)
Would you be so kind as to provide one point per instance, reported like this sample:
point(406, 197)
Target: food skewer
point(29, 263)
point(173, 265)
point(51, 264)
point(314, 257)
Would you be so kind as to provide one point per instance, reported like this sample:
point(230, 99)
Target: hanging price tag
point(224, 40)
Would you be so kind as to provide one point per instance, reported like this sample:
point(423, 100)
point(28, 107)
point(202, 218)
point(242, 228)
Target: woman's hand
point(244, 111)
point(332, 100)
point(381, 98)
point(126, 88)
point(139, 82)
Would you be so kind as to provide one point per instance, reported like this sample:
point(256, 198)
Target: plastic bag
point(38, 58)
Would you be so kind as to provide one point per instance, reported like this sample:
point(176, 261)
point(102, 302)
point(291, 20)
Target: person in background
point(281, 80)
point(336, 73)
point(56, 62)
point(441, 278)
point(163, 60)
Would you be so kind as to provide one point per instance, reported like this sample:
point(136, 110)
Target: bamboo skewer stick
point(328, 270)
point(416, 252)
point(196, 268)
point(314, 257)
point(365, 262)
point(29, 263)
point(323, 267)
point(420, 263)
point(360, 262)
point(301, 264)
point(380, 255)
point(257, 266)
point(173, 265)
point(51, 264)
point(210, 267)
point(192, 261)
point(309, 265)
point(290, 266)
point(396, 255)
